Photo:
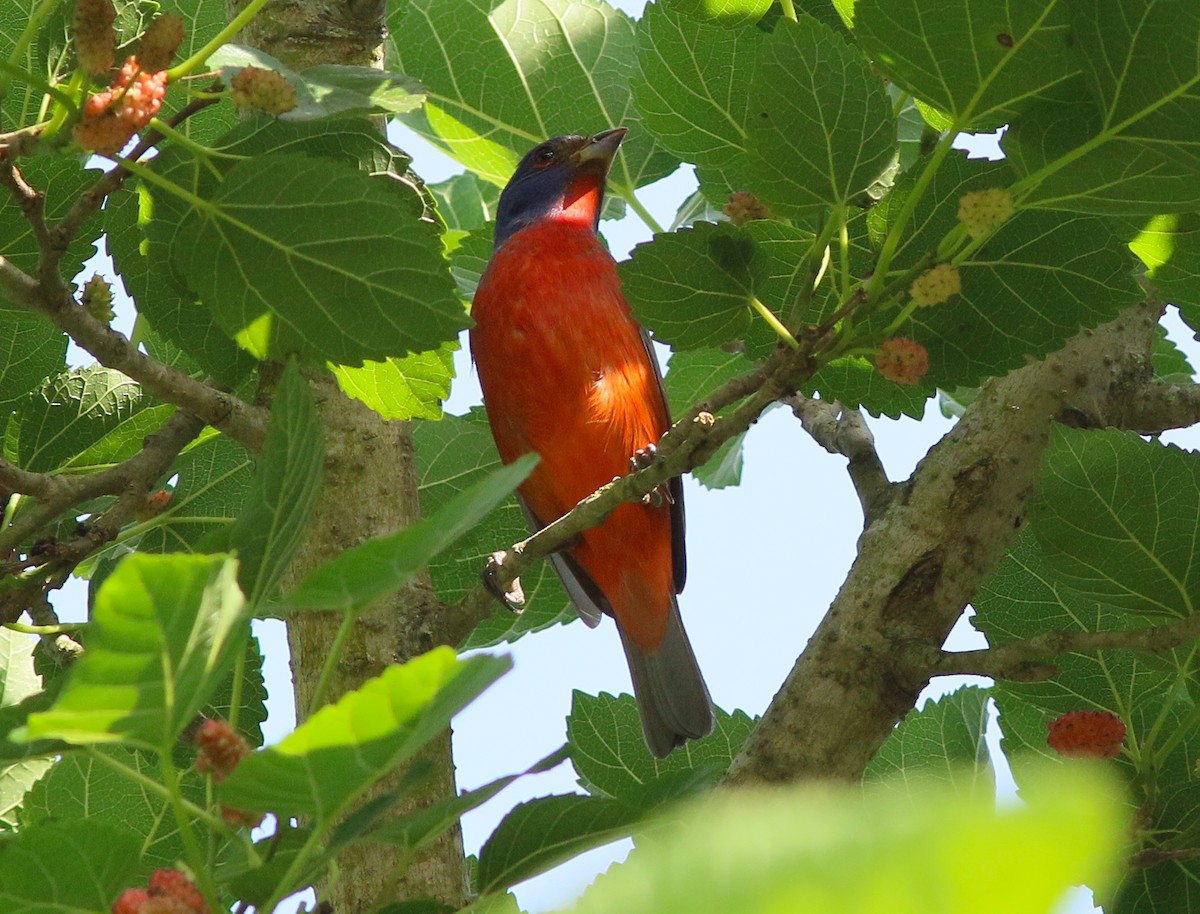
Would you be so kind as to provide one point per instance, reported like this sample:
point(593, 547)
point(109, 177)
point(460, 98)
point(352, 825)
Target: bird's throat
point(582, 201)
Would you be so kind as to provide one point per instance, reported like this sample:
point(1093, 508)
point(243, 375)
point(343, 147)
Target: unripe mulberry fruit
point(96, 299)
point(743, 207)
point(256, 89)
point(155, 504)
point(175, 885)
point(105, 135)
point(221, 748)
point(902, 360)
point(935, 285)
point(112, 117)
point(159, 42)
point(95, 41)
point(984, 211)
point(1086, 734)
point(130, 902)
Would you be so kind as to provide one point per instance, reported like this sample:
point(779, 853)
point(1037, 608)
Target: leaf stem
point(198, 149)
point(235, 697)
point(191, 846)
point(154, 787)
point(200, 58)
point(331, 661)
point(892, 241)
point(62, 629)
point(844, 245)
point(8, 70)
point(789, 10)
point(773, 322)
point(36, 20)
point(636, 205)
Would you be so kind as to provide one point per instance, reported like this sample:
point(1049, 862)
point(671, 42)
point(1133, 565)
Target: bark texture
point(369, 489)
point(923, 560)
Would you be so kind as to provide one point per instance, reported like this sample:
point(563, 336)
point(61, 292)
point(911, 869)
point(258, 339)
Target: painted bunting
point(567, 372)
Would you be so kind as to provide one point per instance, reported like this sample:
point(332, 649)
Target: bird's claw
point(514, 596)
point(641, 459)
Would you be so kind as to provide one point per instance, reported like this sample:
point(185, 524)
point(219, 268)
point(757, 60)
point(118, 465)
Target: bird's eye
point(543, 156)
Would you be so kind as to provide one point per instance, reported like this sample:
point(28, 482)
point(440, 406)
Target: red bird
point(567, 373)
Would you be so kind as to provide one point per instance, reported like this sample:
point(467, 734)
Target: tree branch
point(1155, 407)
point(1023, 660)
point(694, 438)
point(57, 492)
point(136, 476)
point(921, 562)
point(845, 432)
point(217, 408)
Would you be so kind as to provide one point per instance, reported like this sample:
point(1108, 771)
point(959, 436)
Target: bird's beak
point(601, 148)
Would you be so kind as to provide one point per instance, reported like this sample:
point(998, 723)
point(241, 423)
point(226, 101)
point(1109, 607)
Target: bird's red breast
point(567, 374)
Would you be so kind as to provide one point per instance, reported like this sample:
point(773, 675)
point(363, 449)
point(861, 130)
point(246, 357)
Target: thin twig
point(56, 493)
point(1025, 660)
point(845, 432)
point(217, 408)
point(54, 565)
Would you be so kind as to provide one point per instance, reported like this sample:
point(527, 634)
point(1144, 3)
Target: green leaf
point(980, 65)
point(728, 13)
point(693, 92)
point(159, 292)
point(821, 127)
point(75, 412)
point(103, 859)
point(452, 456)
point(941, 742)
point(1138, 122)
point(412, 387)
point(692, 376)
point(18, 681)
point(1169, 246)
point(692, 288)
point(1153, 695)
point(280, 502)
point(215, 477)
point(1092, 519)
point(608, 751)
point(31, 349)
point(164, 632)
point(1037, 281)
point(62, 180)
point(46, 55)
point(540, 834)
point(357, 577)
point(468, 261)
point(80, 787)
point(357, 278)
point(1171, 365)
point(466, 203)
point(1073, 163)
point(854, 382)
point(1143, 71)
point(416, 829)
point(824, 849)
point(251, 693)
point(502, 77)
point(339, 752)
point(327, 90)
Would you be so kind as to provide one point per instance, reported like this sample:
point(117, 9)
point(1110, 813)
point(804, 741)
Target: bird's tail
point(671, 695)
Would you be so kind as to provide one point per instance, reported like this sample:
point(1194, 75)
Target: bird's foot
point(513, 597)
point(641, 459)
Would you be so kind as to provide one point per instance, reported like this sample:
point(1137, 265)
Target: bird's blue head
point(561, 179)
